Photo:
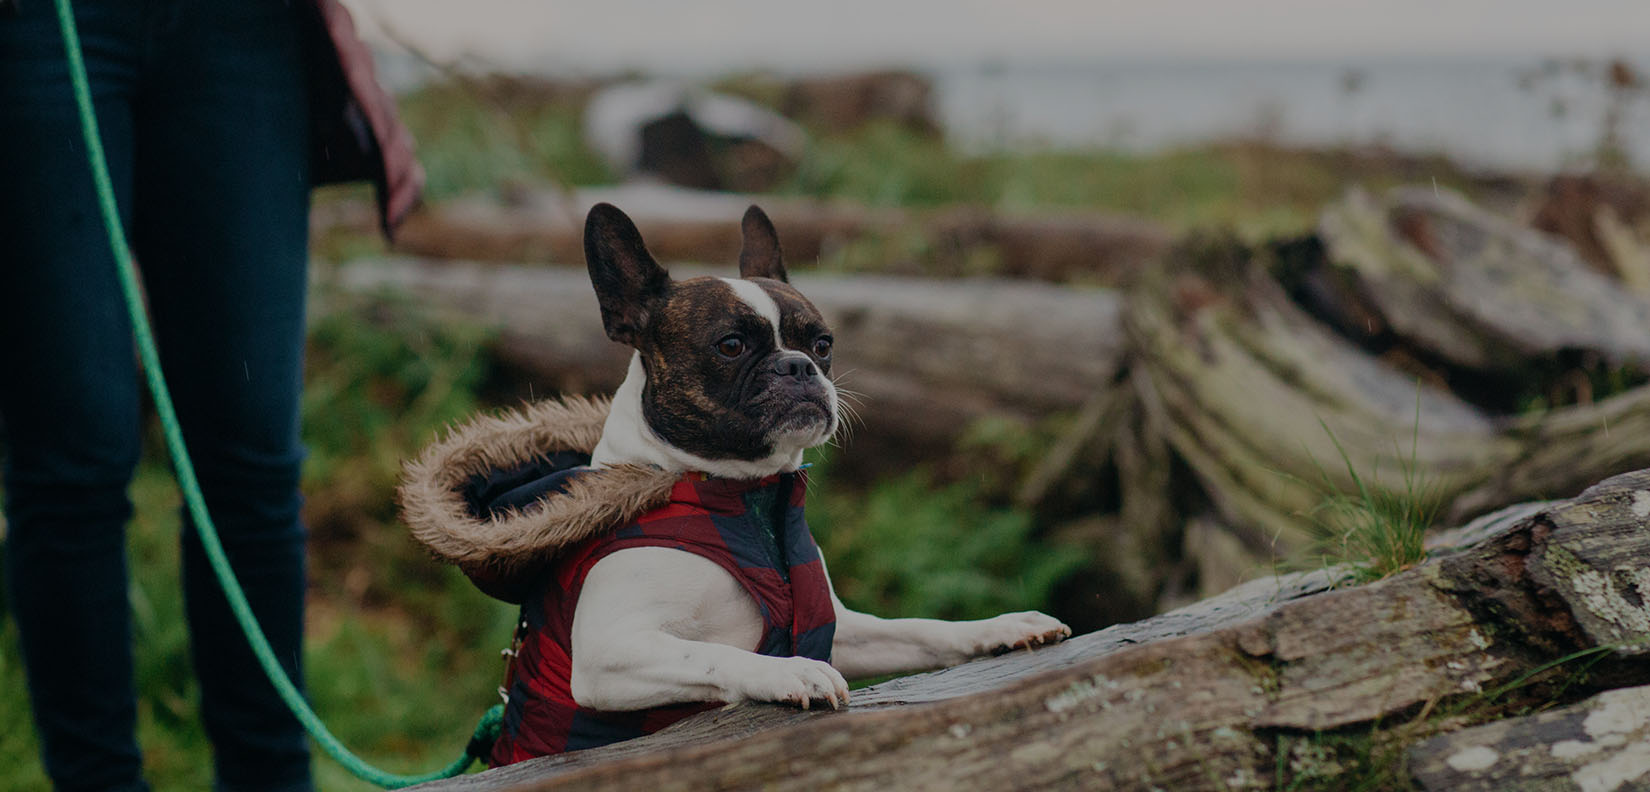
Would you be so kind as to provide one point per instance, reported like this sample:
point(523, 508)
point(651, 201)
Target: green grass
point(910, 547)
point(1380, 530)
point(475, 136)
point(1258, 188)
point(885, 165)
point(1374, 529)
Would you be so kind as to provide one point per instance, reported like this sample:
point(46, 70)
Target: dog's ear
point(628, 281)
point(760, 257)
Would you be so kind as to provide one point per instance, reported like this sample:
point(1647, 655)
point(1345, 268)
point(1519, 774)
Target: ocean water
point(1510, 113)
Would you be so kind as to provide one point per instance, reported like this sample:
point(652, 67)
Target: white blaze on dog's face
point(730, 376)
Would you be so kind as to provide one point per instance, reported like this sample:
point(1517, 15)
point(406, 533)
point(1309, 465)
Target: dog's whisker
point(846, 418)
point(848, 415)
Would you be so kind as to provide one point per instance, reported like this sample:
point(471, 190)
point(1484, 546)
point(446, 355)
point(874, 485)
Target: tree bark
point(1208, 696)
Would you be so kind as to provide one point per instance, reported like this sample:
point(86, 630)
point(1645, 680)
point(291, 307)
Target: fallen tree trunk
point(1234, 693)
point(1263, 401)
point(925, 359)
point(698, 226)
point(1275, 410)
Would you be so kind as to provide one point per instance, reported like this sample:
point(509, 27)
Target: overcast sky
point(718, 34)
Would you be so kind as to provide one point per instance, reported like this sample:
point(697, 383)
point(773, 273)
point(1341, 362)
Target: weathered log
point(689, 225)
point(1273, 409)
point(924, 359)
point(1203, 698)
point(1478, 290)
point(1261, 400)
point(1600, 744)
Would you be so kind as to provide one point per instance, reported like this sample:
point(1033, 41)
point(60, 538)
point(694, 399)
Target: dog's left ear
point(759, 257)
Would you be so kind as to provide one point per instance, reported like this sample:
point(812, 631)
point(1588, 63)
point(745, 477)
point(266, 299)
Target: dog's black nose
point(794, 365)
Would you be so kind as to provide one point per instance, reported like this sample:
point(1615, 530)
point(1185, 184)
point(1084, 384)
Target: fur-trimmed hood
point(463, 496)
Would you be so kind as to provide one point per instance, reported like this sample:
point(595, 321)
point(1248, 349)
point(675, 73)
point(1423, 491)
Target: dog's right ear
point(628, 281)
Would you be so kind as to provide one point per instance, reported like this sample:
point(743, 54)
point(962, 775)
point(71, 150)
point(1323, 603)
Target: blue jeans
point(204, 116)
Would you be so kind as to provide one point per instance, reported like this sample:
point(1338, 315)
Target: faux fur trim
point(497, 551)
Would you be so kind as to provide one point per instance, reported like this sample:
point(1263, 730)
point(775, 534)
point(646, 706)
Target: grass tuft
point(1373, 529)
point(1376, 529)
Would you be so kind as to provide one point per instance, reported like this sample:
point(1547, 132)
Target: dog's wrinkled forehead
point(752, 306)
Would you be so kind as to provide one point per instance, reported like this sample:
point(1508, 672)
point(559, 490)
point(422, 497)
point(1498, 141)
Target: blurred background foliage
point(403, 652)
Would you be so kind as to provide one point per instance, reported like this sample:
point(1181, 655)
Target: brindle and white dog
point(730, 377)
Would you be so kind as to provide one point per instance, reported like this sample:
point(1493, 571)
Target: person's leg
point(68, 393)
point(221, 202)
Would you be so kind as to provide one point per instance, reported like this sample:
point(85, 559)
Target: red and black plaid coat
point(753, 529)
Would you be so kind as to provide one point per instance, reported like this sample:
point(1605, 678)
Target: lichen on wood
point(1599, 745)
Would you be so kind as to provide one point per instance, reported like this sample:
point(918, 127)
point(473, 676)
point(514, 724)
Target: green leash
point(487, 729)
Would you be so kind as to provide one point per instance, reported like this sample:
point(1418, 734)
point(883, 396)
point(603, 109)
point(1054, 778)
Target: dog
point(729, 379)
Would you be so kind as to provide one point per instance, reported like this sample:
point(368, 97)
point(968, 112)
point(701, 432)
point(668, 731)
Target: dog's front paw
point(793, 680)
point(1024, 630)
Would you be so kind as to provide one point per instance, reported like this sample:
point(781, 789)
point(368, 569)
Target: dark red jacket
point(753, 529)
point(355, 133)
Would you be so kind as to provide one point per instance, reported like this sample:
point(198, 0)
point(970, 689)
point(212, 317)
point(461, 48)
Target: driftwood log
point(1264, 687)
point(925, 358)
point(688, 225)
point(1477, 290)
point(1273, 402)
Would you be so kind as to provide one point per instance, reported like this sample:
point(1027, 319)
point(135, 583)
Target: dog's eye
point(822, 347)
point(731, 347)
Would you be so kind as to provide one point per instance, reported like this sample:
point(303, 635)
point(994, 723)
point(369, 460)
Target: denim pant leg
point(68, 394)
point(210, 96)
point(221, 214)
